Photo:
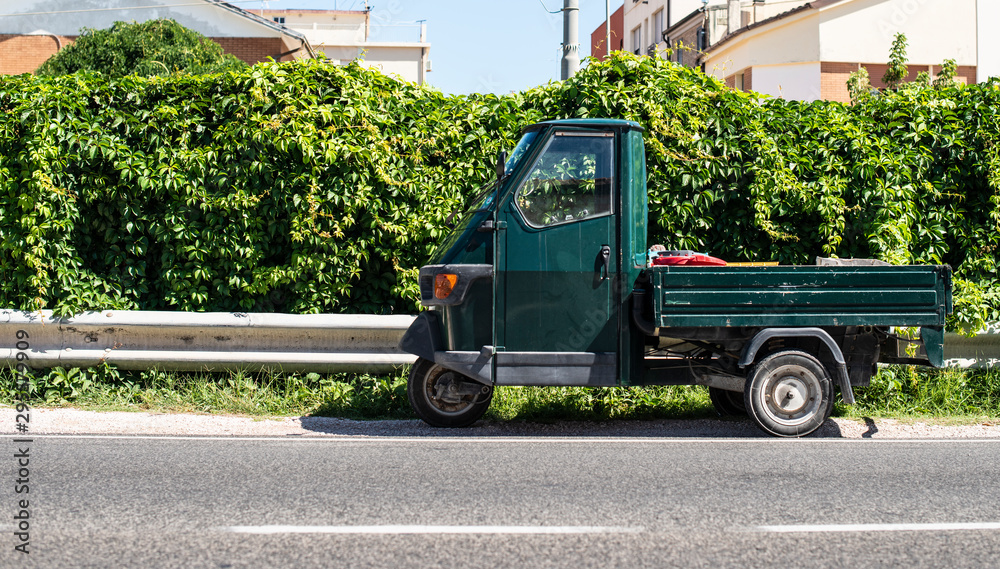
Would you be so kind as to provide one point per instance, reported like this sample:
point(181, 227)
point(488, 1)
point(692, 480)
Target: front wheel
point(789, 394)
point(727, 403)
point(445, 398)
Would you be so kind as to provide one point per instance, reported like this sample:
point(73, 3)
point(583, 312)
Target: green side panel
point(797, 277)
point(469, 326)
point(634, 202)
point(633, 227)
point(800, 296)
point(806, 301)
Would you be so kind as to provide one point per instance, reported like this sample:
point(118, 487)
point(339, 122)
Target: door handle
point(489, 226)
point(606, 258)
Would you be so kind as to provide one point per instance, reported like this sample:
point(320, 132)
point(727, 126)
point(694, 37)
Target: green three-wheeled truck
point(548, 280)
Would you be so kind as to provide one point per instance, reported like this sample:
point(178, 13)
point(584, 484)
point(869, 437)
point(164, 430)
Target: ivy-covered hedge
point(308, 187)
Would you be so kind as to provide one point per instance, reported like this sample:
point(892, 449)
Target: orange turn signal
point(443, 285)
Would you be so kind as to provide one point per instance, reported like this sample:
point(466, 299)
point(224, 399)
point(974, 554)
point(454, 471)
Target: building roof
point(685, 20)
point(308, 11)
point(815, 5)
point(265, 22)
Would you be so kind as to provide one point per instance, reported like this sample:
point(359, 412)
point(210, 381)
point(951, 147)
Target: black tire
point(727, 403)
point(445, 398)
point(788, 394)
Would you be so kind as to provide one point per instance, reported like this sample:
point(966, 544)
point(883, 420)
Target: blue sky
point(480, 46)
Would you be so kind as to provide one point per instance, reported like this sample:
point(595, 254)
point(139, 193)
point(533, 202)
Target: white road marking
point(843, 528)
point(586, 439)
point(401, 529)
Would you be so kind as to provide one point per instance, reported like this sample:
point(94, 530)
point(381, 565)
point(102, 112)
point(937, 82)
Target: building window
point(680, 54)
point(739, 82)
point(279, 19)
point(637, 40)
point(657, 27)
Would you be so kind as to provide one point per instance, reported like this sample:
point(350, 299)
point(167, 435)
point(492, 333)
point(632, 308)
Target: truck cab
point(546, 280)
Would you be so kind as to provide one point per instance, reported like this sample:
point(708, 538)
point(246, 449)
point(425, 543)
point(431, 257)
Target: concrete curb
point(78, 422)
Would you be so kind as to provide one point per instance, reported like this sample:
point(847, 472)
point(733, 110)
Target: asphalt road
point(504, 502)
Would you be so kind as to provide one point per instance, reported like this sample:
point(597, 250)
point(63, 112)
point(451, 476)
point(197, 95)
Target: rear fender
point(754, 345)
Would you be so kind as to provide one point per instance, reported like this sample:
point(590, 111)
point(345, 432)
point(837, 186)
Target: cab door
point(557, 259)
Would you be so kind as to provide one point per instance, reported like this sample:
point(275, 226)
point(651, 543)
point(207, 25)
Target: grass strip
point(895, 392)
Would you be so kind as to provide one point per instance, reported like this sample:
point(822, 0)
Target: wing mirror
point(501, 163)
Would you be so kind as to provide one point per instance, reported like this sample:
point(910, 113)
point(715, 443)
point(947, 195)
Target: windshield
point(483, 201)
point(518, 153)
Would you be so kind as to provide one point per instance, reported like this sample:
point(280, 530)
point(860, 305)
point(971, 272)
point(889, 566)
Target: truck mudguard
point(423, 337)
point(750, 352)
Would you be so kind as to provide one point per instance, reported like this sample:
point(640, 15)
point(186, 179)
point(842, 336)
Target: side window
point(570, 181)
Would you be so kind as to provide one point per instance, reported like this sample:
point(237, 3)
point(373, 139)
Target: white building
point(646, 20)
point(806, 50)
point(344, 36)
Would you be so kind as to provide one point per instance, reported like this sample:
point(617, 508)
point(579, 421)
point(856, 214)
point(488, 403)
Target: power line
point(547, 8)
point(125, 8)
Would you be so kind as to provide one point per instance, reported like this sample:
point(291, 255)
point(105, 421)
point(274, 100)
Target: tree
point(948, 74)
point(154, 47)
point(897, 63)
point(859, 85)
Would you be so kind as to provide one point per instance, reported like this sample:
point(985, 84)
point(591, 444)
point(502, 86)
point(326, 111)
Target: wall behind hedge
point(306, 187)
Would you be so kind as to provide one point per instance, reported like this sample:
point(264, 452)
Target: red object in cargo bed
point(687, 258)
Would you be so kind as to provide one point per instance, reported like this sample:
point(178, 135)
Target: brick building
point(31, 31)
point(23, 53)
point(598, 37)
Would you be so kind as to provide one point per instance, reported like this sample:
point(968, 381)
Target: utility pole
point(607, 27)
point(571, 39)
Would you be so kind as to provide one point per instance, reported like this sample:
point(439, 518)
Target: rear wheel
point(727, 403)
point(789, 394)
point(445, 398)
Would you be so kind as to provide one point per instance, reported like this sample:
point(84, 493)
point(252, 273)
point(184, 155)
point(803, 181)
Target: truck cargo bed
point(790, 296)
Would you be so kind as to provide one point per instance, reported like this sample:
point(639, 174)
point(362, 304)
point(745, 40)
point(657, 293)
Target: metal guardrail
point(981, 351)
point(207, 341)
point(219, 341)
